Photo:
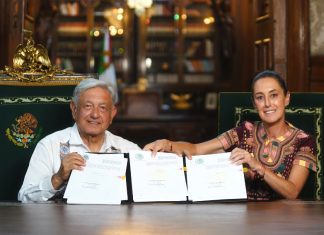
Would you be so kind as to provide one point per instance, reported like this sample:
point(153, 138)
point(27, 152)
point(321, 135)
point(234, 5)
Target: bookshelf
point(169, 45)
point(79, 36)
point(179, 47)
point(198, 37)
point(179, 52)
point(110, 18)
point(172, 45)
point(71, 37)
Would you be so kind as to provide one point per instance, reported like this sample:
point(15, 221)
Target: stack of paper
point(157, 179)
point(153, 179)
point(102, 181)
point(209, 177)
point(214, 177)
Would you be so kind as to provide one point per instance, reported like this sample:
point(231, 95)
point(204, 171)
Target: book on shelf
point(160, 10)
point(198, 78)
point(73, 28)
point(202, 65)
point(70, 46)
point(197, 29)
point(201, 48)
point(209, 48)
point(167, 78)
point(193, 12)
point(69, 9)
point(192, 48)
point(166, 29)
point(208, 2)
point(158, 46)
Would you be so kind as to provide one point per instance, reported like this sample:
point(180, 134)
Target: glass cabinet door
point(179, 48)
point(70, 39)
point(108, 43)
point(92, 35)
point(198, 39)
point(162, 44)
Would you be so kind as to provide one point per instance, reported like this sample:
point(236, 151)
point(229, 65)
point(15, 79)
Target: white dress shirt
point(46, 160)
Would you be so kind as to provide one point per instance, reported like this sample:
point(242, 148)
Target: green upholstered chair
point(29, 111)
point(306, 111)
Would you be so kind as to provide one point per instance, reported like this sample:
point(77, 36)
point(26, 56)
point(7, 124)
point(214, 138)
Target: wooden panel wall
point(317, 74)
point(15, 16)
point(11, 24)
point(298, 44)
point(243, 68)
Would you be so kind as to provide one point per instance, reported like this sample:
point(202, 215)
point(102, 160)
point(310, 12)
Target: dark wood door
point(264, 39)
point(270, 36)
point(281, 40)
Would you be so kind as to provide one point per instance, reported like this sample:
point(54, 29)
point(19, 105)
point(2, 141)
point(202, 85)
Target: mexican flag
point(106, 68)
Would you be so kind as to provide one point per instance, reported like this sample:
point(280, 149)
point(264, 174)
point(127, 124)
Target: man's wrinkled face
point(94, 112)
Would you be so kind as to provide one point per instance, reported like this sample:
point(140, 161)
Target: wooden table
point(239, 218)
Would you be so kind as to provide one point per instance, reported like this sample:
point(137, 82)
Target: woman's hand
point(288, 188)
point(240, 156)
point(164, 145)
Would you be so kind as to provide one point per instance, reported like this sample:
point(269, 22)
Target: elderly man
point(56, 155)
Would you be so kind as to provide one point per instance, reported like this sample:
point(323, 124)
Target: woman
point(277, 155)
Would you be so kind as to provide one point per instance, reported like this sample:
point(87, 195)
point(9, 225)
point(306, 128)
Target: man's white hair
point(92, 83)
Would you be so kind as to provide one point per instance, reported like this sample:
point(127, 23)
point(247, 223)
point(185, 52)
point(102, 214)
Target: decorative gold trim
point(57, 80)
point(318, 117)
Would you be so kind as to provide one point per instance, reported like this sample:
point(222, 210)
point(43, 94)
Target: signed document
point(102, 181)
point(157, 179)
point(214, 177)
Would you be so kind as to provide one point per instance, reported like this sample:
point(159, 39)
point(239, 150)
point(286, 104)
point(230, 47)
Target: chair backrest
point(29, 111)
point(305, 112)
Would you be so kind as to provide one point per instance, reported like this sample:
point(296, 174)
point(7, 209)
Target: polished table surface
point(239, 218)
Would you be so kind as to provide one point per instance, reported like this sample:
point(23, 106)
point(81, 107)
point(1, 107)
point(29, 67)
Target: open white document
point(102, 181)
point(214, 177)
point(157, 179)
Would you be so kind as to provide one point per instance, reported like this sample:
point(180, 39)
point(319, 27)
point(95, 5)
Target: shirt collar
point(107, 147)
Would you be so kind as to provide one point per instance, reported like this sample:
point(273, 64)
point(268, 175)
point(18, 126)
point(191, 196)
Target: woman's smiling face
point(270, 100)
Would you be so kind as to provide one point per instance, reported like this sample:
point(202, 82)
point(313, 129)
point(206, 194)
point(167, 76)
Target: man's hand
point(72, 161)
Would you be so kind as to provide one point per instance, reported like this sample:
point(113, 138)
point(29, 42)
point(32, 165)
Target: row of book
point(69, 8)
point(199, 65)
point(172, 78)
point(70, 28)
point(202, 48)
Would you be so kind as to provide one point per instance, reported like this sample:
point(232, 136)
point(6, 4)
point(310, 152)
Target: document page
point(102, 181)
point(157, 179)
point(214, 177)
